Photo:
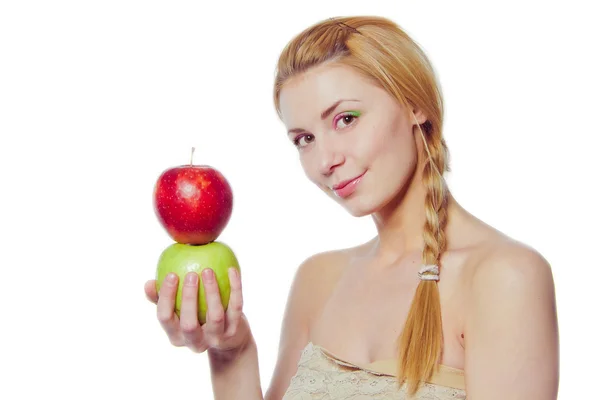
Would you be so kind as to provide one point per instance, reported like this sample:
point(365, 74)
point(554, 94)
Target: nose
point(330, 156)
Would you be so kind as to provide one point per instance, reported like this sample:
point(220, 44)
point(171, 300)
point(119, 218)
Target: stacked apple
point(194, 204)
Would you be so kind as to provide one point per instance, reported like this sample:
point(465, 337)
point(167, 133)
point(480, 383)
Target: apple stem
point(192, 158)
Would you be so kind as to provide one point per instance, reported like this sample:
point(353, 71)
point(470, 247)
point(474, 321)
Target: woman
point(438, 304)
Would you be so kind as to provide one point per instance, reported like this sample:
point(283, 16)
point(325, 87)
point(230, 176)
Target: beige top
point(324, 376)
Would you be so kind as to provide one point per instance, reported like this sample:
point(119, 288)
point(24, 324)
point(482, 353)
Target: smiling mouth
point(347, 188)
point(343, 184)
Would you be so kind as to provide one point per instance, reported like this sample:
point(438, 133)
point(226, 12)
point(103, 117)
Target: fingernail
point(191, 278)
point(207, 274)
point(232, 273)
point(171, 278)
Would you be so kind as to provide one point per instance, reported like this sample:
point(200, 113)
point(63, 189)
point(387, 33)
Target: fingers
point(215, 315)
point(190, 326)
point(187, 329)
point(150, 290)
point(166, 308)
point(235, 305)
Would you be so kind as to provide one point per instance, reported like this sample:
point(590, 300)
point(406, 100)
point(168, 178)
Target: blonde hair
point(380, 50)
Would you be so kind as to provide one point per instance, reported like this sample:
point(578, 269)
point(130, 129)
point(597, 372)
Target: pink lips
point(346, 188)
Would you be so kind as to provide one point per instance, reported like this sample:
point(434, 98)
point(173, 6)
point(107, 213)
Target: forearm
point(236, 375)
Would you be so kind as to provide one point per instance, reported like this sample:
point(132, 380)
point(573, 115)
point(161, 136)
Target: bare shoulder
point(505, 263)
point(324, 262)
point(322, 269)
point(511, 332)
point(315, 278)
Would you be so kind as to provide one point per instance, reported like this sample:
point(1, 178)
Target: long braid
point(420, 344)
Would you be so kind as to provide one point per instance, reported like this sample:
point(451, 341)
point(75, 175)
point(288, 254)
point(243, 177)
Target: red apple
point(193, 203)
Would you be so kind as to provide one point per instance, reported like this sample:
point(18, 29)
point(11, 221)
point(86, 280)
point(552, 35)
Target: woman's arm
point(235, 375)
point(511, 329)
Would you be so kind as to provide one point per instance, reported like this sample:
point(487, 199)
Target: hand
point(223, 330)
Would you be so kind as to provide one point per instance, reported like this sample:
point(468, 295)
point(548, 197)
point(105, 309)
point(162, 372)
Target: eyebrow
point(324, 114)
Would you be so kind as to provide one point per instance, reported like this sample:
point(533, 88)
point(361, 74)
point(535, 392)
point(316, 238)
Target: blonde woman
point(438, 305)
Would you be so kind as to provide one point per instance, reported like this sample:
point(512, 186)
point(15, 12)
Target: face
point(367, 135)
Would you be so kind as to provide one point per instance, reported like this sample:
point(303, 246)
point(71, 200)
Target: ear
point(418, 115)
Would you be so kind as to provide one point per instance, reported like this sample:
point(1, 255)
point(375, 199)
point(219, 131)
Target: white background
point(97, 98)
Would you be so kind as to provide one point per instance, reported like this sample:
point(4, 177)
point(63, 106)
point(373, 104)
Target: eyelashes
point(352, 115)
point(299, 137)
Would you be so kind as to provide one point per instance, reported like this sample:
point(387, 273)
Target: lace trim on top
point(324, 376)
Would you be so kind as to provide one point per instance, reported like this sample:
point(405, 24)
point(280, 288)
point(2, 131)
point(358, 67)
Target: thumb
point(150, 290)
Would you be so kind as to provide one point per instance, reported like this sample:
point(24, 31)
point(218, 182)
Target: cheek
point(309, 167)
point(311, 171)
point(386, 142)
point(393, 150)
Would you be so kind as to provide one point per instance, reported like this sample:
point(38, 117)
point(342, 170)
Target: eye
point(347, 119)
point(307, 138)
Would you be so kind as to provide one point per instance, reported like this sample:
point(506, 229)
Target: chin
point(359, 206)
point(359, 213)
point(367, 204)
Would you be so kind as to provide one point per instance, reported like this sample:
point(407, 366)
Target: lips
point(346, 182)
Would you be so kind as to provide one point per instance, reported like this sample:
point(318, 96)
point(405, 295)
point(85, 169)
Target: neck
point(400, 224)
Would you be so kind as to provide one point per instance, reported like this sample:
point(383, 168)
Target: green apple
point(183, 258)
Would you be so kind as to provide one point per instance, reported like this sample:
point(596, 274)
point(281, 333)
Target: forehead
point(309, 93)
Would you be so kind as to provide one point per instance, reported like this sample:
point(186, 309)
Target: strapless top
point(324, 376)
